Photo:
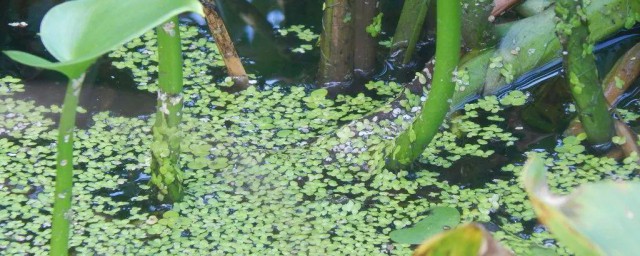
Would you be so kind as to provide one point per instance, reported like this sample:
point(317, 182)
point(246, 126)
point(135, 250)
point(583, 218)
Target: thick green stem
point(166, 171)
point(408, 30)
point(581, 72)
point(62, 213)
point(412, 142)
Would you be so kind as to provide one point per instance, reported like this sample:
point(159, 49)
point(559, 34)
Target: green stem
point(166, 171)
point(412, 17)
point(412, 142)
point(62, 213)
point(581, 72)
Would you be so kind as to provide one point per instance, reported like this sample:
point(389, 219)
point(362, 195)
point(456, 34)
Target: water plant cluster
point(233, 164)
point(269, 170)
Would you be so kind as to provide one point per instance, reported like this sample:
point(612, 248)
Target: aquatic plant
point(273, 169)
point(468, 239)
point(411, 143)
point(519, 50)
point(579, 219)
point(336, 43)
point(166, 169)
point(581, 72)
point(76, 34)
point(412, 18)
point(235, 69)
point(439, 218)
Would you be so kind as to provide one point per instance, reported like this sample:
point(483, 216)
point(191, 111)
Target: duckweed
point(280, 170)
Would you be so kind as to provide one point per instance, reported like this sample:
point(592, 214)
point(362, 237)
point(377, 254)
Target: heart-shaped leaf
point(77, 32)
point(596, 219)
point(439, 218)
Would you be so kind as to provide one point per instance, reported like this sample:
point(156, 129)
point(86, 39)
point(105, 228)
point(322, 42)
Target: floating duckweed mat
point(278, 171)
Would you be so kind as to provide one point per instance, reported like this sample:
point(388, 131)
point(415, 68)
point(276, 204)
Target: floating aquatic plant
point(250, 191)
point(76, 34)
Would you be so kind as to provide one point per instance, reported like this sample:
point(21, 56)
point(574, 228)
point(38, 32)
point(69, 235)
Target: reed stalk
point(218, 30)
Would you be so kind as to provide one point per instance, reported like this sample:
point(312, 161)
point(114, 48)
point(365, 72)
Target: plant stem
point(412, 17)
point(166, 171)
point(364, 55)
point(581, 72)
point(412, 142)
point(336, 43)
point(235, 69)
point(62, 213)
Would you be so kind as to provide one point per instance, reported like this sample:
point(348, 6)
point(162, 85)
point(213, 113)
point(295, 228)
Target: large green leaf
point(468, 239)
point(596, 219)
point(439, 218)
point(78, 32)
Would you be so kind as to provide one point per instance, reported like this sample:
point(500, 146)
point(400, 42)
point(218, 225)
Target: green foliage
point(468, 239)
point(410, 144)
point(579, 220)
point(514, 98)
point(440, 218)
point(10, 85)
point(376, 25)
point(384, 88)
point(529, 43)
point(76, 33)
point(250, 191)
point(302, 33)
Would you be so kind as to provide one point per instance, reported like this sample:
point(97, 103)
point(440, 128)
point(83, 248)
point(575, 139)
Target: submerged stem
point(581, 72)
point(62, 213)
point(166, 173)
point(412, 142)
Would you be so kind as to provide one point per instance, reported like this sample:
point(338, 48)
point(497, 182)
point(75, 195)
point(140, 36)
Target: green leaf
point(76, 33)
point(596, 219)
point(439, 218)
point(469, 239)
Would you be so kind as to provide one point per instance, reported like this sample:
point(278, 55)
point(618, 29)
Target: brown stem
point(225, 45)
point(631, 138)
point(622, 75)
point(336, 43)
point(500, 6)
point(364, 55)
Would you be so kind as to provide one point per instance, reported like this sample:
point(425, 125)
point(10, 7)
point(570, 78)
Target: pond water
point(279, 168)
